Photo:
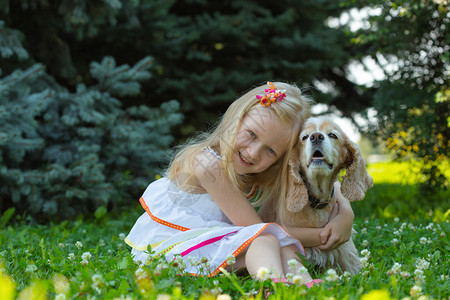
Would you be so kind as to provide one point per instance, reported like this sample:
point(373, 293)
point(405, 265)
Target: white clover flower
point(396, 232)
point(216, 291)
point(442, 234)
point(365, 243)
point(194, 261)
point(302, 270)
point(263, 273)
point(231, 260)
point(429, 226)
point(97, 279)
point(162, 265)
point(365, 252)
point(71, 256)
point(140, 273)
point(422, 264)
point(61, 245)
point(364, 261)
point(405, 274)
point(423, 240)
point(395, 269)
point(444, 277)
point(101, 243)
point(61, 284)
point(60, 297)
point(378, 227)
point(292, 263)
point(419, 273)
point(31, 268)
point(394, 242)
point(84, 262)
point(415, 291)
point(364, 231)
point(78, 244)
point(396, 219)
point(411, 226)
point(86, 256)
point(346, 275)
point(298, 279)
point(403, 226)
point(332, 275)
point(223, 297)
point(122, 236)
point(290, 277)
point(163, 297)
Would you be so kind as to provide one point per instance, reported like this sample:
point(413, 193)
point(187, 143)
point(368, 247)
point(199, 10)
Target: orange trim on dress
point(239, 250)
point(244, 245)
point(156, 219)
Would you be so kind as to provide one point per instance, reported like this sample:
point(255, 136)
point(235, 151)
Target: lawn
point(403, 240)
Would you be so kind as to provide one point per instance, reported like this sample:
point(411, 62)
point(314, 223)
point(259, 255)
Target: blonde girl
point(203, 209)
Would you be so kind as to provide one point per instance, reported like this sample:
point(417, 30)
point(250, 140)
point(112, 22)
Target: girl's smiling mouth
point(244, 160)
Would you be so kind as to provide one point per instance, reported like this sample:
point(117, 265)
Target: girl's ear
point(297, 194)
point(356, 180)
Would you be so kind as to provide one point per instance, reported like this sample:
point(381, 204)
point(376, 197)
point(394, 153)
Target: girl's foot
point(313, 282)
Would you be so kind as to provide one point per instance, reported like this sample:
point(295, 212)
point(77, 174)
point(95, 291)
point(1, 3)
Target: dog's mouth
point(318, 159)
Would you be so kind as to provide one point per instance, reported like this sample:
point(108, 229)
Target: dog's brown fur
point(316, 176)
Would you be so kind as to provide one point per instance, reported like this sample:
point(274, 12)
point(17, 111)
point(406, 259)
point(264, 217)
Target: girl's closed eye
point(252, 134)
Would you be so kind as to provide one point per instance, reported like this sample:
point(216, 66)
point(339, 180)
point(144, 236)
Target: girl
point(201, 210)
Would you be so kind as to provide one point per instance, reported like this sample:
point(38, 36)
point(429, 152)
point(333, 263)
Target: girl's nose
point(254, 151)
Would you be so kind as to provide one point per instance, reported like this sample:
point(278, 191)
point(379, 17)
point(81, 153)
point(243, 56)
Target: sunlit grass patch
point(89, 259)
point(403, 247)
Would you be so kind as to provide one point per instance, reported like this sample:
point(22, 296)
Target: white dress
point(193, 226)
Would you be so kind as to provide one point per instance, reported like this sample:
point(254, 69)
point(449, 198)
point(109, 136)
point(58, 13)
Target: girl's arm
point(339, 227)
point(210, 176)
point(309, 237)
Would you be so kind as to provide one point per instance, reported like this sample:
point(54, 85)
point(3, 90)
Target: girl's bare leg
point(264, 251)
point(288, 253)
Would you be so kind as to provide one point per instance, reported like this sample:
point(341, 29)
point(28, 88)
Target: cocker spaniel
point(322, 152)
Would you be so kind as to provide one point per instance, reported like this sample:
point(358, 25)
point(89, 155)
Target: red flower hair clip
point(271, 95)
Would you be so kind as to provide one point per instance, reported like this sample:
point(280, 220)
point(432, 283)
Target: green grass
point(45, 261)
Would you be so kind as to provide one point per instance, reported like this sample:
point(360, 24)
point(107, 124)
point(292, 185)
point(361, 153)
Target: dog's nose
point(316, 137)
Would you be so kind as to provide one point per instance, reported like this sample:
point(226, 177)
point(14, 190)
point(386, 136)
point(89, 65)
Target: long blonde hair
point(293, 110)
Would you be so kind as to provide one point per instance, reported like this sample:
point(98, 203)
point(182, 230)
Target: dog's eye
point(332, 135)
point(305, 137)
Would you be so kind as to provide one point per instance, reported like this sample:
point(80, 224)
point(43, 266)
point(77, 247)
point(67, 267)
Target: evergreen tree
point(63, 153)
point(206, 52)
point(409, 41)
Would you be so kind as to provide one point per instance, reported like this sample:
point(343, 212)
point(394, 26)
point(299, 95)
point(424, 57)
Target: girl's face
point(261, 140)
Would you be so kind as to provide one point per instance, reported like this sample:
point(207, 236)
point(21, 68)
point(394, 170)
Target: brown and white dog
point(322, 152)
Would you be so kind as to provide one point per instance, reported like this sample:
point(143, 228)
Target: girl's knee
point(267, 239)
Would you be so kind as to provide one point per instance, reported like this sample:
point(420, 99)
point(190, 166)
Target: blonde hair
point(293, 110)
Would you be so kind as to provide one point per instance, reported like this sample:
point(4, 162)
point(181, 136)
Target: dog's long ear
point(356, 180)
point(297, 194)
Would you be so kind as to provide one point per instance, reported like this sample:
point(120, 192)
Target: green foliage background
point(127, 59)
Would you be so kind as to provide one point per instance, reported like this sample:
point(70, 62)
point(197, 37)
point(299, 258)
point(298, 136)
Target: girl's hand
point(339, 227)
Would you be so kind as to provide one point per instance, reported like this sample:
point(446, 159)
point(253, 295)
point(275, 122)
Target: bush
point(63, 153)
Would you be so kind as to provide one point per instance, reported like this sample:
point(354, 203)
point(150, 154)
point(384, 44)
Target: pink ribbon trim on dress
point(205, 243)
